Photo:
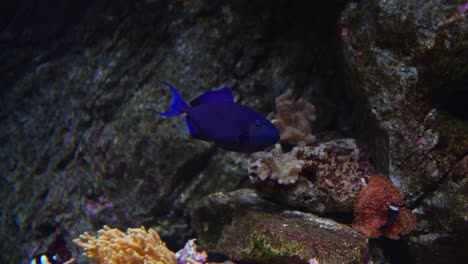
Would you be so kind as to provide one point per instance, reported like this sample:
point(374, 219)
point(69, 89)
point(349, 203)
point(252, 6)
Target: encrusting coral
point(371, 210)
point(116, 247)
point(324, 177)
point(294, 119)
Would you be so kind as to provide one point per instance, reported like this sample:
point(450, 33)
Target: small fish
point(57, 252)
point(392, 214)
point(45, 258)
point(215, 117)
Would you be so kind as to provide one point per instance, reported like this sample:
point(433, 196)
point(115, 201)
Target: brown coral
point(136, 246)
point(275, 165)
point(324, 177)
point(371, 210)
point(293, 119)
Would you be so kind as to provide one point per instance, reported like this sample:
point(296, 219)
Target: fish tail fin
point(178, 105)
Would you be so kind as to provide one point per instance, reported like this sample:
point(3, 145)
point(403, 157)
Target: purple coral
point(313, 261)
point(93, 208)
point(463, 8)
point(190, 255)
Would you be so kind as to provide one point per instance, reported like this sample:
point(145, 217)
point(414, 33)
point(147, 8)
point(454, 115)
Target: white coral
point(275, 165)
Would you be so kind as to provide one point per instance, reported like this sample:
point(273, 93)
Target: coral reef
point(371, 210)
point(325, 177)
point(136, 246)
point(294, 119)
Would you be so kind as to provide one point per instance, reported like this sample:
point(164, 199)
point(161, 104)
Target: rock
point(408, 65)
point(249, 229)
point(324, 178)
point(420, 136)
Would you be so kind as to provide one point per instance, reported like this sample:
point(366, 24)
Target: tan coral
point(275, 165)
point(116, 247)
point(293, 119)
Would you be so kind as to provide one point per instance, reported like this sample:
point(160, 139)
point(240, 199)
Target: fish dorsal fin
point(214, 96)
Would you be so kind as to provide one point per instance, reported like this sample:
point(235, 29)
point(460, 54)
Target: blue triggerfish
point(215, 117)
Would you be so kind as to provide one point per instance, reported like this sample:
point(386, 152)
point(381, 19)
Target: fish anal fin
point(214, 96)
point(193, 129)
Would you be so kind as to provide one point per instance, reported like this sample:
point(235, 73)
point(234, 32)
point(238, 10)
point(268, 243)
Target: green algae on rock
point(250, 229)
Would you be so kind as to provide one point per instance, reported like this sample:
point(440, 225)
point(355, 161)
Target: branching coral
point(116, 247)
point(293, 119)
point(275, 165)
point(372, 208)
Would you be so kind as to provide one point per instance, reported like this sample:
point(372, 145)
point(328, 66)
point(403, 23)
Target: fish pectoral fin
point(222, 95)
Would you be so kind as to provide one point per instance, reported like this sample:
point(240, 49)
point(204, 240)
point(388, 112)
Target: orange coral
point(136, 246)
point(371, 210)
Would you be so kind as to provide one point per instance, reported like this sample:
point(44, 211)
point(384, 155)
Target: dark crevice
point(42, 164)
point(343, 218)
point(396, 251)
point(453, 100)
point(189, 170)
point(309, 172)
point(181, 179)
point(286, 147)
point(66, 159)
point(44, 230)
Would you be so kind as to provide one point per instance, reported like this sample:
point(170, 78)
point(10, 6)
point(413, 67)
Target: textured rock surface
point(79, 148)
point(324, 178)
point(249, 229)
point(409, 72)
